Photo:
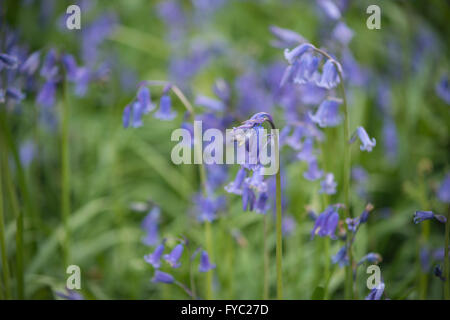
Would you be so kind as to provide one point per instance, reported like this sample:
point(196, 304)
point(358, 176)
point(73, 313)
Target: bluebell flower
point(438, 273)
point(31, 64)
point(390, 138)
point(328, 185)
point(365, 214)
point(163, 277)
point(352, 224)
point(285, 38)
point(46, 96)
point(327, 115)
point(248, 198)
point(256, 181)
point(14, 94)
point(326, 223)
point(8, 61)
point(174, 256)
point(330, 9)
point(236, 185)
point(126, 116)
point(49, 68)
point(207, 207)
point(307, 151)
point(444, 190)
point(288, 225)
point(294, 54)
point(155, 258)
point(210, 103)
point(144, 98)
point(69, 295)
point(443, 89)
point(150, 226)
point(70, 65)
point(366, 143)
point(261, 202)
point(205, 265)
point(376, 293)
point(222, 90)
point(306, 69)
point(137, 113)
point(420, 216)
point(330, 76)
point(371, 257)
point(313, 172)
point(165, 111)
point(294, 140)
point(342, 33)
point(27, 152)
point(341, 257)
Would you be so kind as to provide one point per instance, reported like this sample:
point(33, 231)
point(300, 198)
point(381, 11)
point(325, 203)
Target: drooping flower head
point(150, 226)
point(155, 258)
point(420, 216)
point(174, 256)
point(205, 264)
point(326, 223)
point(165, 111)
point(163, 277)
point(376, 293)
point(328, 185)
point(366, 143)
point(327, 114)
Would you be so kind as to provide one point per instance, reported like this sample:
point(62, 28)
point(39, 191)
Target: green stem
point(209, 248)
point(14, 203)
point(4, 254)
point(65, 175)
point(266, 262)
point(279, 244)
point(446, 262)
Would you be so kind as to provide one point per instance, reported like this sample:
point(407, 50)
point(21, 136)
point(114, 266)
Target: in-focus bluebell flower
point(155, 258)
point(342, 33)
point(371, 257)
point(326, 223)
point(330, 76)
point(443, 89)
point(150, 226)
point(236, 185)
point(30, 65)
point(205, 265)
point(330, 9)
point(285, 38)
point(327, 115)
point(144, 98)
point(210, 103)
point(69, 295)
point(438, 273)
point(420, 216)
point(174, 256)
point(341, 257)
point(288, 225)
point(165, 111)
point(366, 143)
point(444, 190)
point(328, 185)
point(46, 96)
point(376, 293)
point(8, 61)
point(163, 277)
point(313, 172)
point(306, 68)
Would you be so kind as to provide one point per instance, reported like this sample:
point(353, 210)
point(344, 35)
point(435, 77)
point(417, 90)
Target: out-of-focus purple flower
point(26, 152)
point(248, 198)
point(155, 258)
point(292, 55)
point(307, 151)
point(366, 143)
point(424, 259)
point(420, 216)
point(163, 277)
point(342, 33)
point(236, 185)
point(205, 265)
point(174, 256)
point(330, 77)
point(438, 273)
point(150, 226)
point(165, 111)
point(326, 223)
point(443, 89)
point(444, 190)
point(341, 257)
point(365, 214)
point(313, 172)
point(144, 98)
point(261, 202)
point(371, 257)
point(327, 115)
point(288, 225)
point(14, 94)
point(330, 9)
point(30, 65)
point(285, 38)
point(69, 295)
point(137, 113)
point(294, 140)
point(390, 138)
point(70, 65)
point(376, 293)
point(126, 116)
point(8, 61)
point(49, 68)
point(207, 207)
point(222, 90)
point(328, 185)
point(210, 103)
point(46, 96)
